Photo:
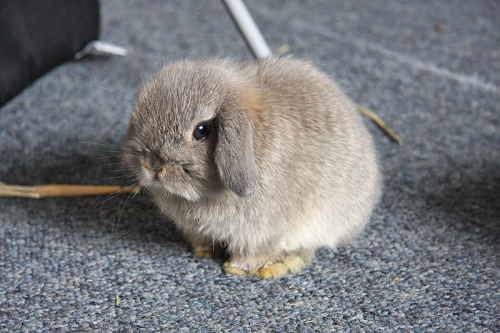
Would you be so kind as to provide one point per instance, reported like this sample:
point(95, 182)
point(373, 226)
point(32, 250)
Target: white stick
point(248, 28)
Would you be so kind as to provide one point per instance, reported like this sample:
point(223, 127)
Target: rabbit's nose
point(155, 166)
point(159, 171)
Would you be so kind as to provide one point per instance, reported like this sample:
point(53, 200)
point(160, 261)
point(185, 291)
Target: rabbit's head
point(191, 133)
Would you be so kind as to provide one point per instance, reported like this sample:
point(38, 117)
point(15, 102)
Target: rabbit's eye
point(201, 131)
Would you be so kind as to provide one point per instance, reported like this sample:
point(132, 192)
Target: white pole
point(248, 28)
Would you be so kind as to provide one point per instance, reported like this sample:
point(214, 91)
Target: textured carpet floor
point(429, 261)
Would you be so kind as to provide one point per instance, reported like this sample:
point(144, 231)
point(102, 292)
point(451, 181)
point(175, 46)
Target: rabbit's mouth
point(170, 179)
point(186, 191)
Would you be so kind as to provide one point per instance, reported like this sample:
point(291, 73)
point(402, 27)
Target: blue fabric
point(428, 260)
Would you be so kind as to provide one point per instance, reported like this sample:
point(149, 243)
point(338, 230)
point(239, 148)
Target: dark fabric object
point(36, 36)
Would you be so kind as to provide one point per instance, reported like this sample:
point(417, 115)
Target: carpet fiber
point(429, 260)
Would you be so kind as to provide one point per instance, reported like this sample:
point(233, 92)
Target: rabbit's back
point(316, 158)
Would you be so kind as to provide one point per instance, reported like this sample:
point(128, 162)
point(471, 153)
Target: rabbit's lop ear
point(234, 154)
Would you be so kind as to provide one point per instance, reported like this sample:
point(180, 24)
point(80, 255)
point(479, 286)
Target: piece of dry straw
point(51, 191)
point(380, 123)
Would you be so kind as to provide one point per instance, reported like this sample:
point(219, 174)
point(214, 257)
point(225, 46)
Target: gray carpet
point(428, 261)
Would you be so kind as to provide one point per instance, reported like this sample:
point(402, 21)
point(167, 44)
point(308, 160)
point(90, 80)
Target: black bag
point(37, 35)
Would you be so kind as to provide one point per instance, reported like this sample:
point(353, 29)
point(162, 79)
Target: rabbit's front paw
point(272, 268)
point(204, 248)
point(292, 263)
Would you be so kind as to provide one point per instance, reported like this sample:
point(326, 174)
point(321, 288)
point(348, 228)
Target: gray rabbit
point(267, 160)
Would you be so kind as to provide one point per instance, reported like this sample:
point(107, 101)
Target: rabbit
point(266, 160)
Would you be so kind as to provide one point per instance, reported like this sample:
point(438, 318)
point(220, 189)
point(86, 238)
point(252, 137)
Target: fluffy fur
point(287, 167)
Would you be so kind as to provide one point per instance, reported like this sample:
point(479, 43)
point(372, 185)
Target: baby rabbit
point(267, 160)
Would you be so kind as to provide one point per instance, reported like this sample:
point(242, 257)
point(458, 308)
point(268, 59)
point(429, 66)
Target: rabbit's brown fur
point(287, 167)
